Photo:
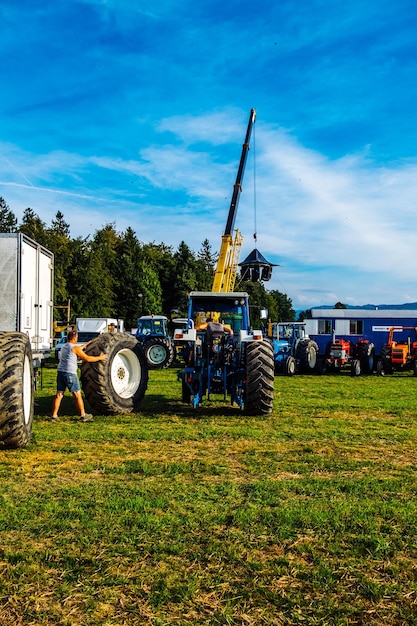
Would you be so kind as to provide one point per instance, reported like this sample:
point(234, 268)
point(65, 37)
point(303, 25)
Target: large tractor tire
point(306, 354)
point(16, 390)
point(159, 353)
point(366, 355)
point(259, 393)
point(386, 363)
point(117, 385)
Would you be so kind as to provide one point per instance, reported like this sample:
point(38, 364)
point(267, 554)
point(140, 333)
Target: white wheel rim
point(312, 360)
point(27, 390)
point(156, 354)
point(126, 373)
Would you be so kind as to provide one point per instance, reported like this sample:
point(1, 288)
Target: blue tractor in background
point(294, 351)
point(154, 338)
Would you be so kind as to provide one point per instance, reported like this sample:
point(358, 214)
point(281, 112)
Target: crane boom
point(226, 269)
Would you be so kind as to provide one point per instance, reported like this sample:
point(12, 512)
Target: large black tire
point(366, 355)
point(117, 385)
point(16, 390)
point(386, 352)
point(306, 354)
point(159, 353)
point(259, 392)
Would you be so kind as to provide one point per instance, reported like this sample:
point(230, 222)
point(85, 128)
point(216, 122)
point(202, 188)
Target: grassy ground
point(180, 517)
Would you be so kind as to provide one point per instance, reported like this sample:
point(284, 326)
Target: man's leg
point(56, 403)
point(79, 402)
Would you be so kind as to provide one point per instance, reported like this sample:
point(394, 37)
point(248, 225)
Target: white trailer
point(26, 305)
point(90, 327)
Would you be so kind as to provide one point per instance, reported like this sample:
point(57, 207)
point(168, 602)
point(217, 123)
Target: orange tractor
point(358, 357)
point(398, 355)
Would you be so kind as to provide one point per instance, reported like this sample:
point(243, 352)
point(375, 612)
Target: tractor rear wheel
point(118, 384)
point(386, 352)
point(259, 393)
point(159, 353)
point(306, 354)
point(366, 355)
point(16, 390)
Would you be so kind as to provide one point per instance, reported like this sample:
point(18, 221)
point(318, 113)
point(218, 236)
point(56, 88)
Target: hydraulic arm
point(226, 270)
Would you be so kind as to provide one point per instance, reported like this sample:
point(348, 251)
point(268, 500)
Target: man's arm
point(79, 352)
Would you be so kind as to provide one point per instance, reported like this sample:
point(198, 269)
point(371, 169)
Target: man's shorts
point(68, 380)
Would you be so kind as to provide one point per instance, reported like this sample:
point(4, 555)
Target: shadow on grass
point(154, 404)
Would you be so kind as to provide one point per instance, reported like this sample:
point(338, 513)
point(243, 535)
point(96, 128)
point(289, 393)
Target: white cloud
point(341, 229)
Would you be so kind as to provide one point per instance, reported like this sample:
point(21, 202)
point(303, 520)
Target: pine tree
point(8, 220)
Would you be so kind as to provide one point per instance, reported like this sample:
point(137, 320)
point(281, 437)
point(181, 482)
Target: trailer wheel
point(16, 390)
point(259, 393)
point(306, 354)
point(159, 353)
point(118, 384)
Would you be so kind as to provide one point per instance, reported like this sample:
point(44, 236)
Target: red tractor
point(398, 355)
point(359, 356)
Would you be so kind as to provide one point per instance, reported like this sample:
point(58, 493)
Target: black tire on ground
point(415, 368)
point(355, 368)
point(306, 354)
point(159, 353)
point(16, 390)
point(118, 384)
point(366, 355)
point(289, 366)
point(259, 392)
point(386, 352)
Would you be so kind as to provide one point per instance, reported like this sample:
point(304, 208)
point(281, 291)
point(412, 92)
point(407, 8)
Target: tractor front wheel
point(290, 366)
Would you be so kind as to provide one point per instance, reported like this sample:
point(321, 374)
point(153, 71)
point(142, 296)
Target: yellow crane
point(227, 264)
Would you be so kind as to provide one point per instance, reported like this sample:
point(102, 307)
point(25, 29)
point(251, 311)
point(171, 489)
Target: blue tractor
point(294, 351)
point(154, 338)
point(223, 355)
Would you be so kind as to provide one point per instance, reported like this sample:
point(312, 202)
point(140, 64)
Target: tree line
point(114, 274)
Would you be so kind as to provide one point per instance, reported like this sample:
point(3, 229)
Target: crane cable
point(255, 235)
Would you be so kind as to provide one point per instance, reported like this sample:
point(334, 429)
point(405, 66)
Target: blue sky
point(134, 113)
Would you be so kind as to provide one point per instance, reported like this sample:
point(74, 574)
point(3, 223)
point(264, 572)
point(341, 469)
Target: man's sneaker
point(54, 418)
point(86, 418)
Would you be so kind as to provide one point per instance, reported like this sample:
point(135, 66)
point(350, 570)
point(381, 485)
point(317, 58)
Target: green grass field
point(175, 516)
